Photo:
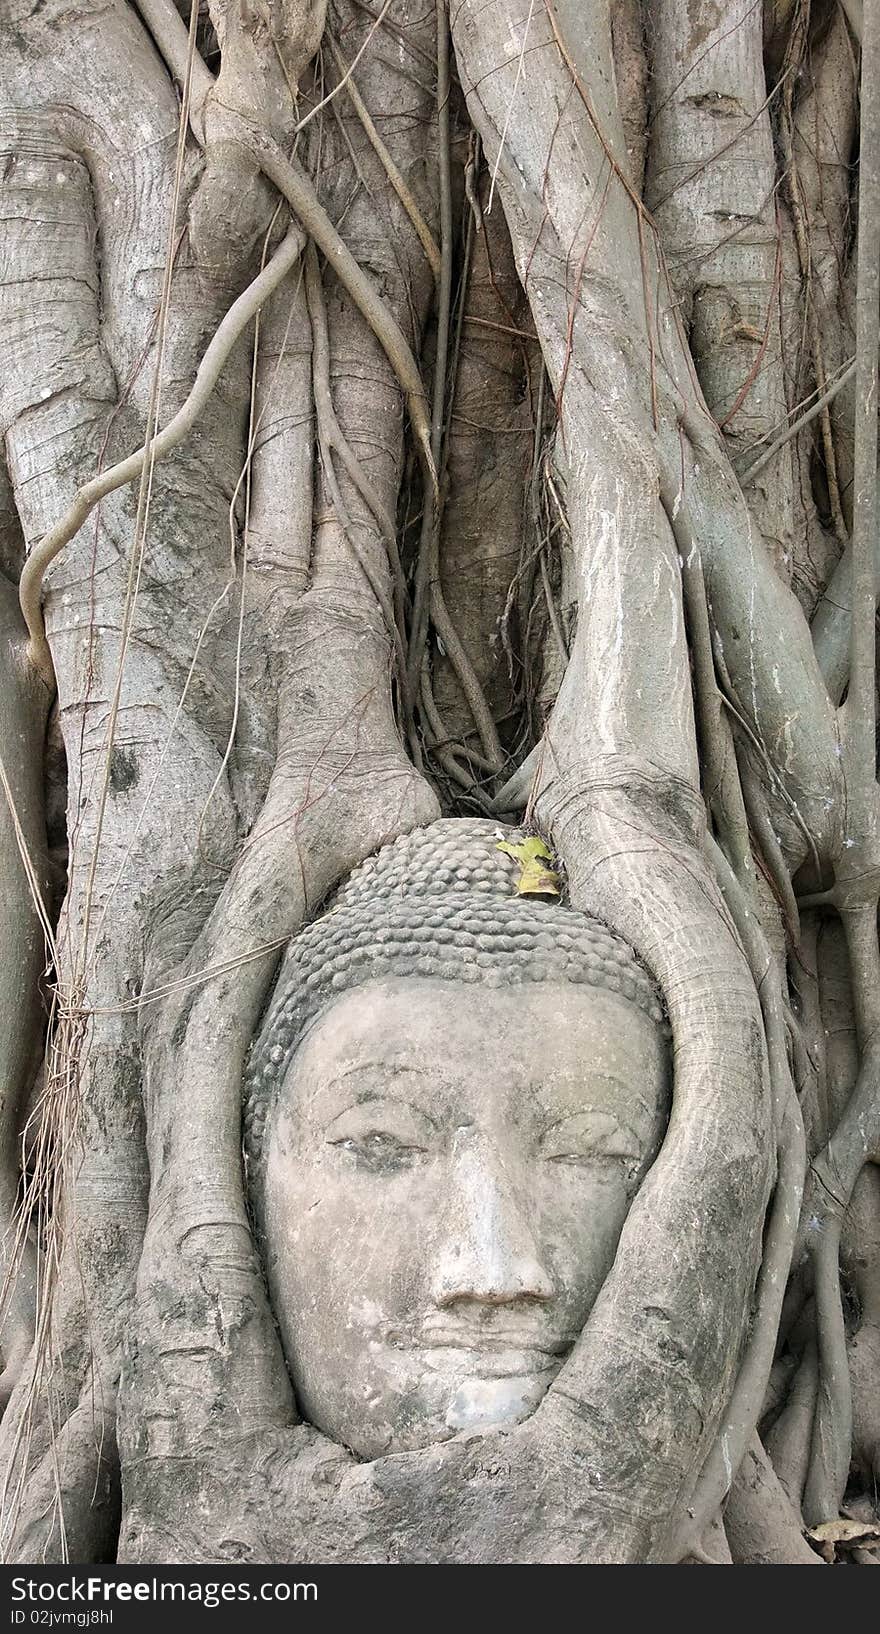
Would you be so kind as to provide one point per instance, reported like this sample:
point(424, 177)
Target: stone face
point(453, 1097)
point(446, 1172)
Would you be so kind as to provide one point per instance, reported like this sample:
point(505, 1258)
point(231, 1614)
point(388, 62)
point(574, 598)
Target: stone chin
point(433, 1395)
point(481, 1402)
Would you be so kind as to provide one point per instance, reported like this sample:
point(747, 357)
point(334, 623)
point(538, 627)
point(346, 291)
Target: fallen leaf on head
point(536, 878)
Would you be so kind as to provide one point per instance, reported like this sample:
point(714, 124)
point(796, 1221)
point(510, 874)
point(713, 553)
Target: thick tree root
point(24, 707)
point(761, 1525)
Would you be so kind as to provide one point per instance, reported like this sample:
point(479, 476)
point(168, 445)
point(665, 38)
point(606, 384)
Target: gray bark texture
point(413, 409)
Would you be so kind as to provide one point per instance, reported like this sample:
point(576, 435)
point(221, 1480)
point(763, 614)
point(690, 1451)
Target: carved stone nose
point(487, 1250)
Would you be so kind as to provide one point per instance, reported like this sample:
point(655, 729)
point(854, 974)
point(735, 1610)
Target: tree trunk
point(420, 413)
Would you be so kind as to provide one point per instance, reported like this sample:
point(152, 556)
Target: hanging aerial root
point(228, 331)
point(797, 426)
point(294, 185)
point(428, 565)
point(795, 52)
point(397, 181)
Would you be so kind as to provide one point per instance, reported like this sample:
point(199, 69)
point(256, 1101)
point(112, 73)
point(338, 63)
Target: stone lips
point(440, 902)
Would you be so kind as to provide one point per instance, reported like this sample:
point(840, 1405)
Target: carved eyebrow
point(380, 1066)
point(544, 1091)
point(620, 1127)
point(407, 1085)
point(327, 1095)
point(364, 1097)
point(395, 1102)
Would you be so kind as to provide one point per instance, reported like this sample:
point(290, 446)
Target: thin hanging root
point(446, 752)
point(296, 188)
point(467, 679)
point(552, 610)
point(293, 183)
point(519, 790)
point(798, 425)
point(428, 599)
point(796, 49)
point(86, 498)
point(422, 230)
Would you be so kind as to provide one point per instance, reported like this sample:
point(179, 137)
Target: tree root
point(171, 38)
point(796, 47)
point(797, 426)
point(857, 862)
point(71, 1508)
point(24, 927)
point(745, 1404)
point(761, 1525)
point(789, 1440)
point(397, 181)
point(331, 441)
point(91, 493)
point(294, 185)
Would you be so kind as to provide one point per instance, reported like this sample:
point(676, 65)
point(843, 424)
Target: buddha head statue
point(454, 1094)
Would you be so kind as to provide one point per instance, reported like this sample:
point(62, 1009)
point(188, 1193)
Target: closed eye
point(380, 1151)
point(383, 1135)
point(584, 1159)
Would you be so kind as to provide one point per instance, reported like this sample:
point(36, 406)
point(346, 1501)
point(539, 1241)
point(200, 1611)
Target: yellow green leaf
point(536, 878)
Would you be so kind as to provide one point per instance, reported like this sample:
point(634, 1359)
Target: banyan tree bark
point(410, 410)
